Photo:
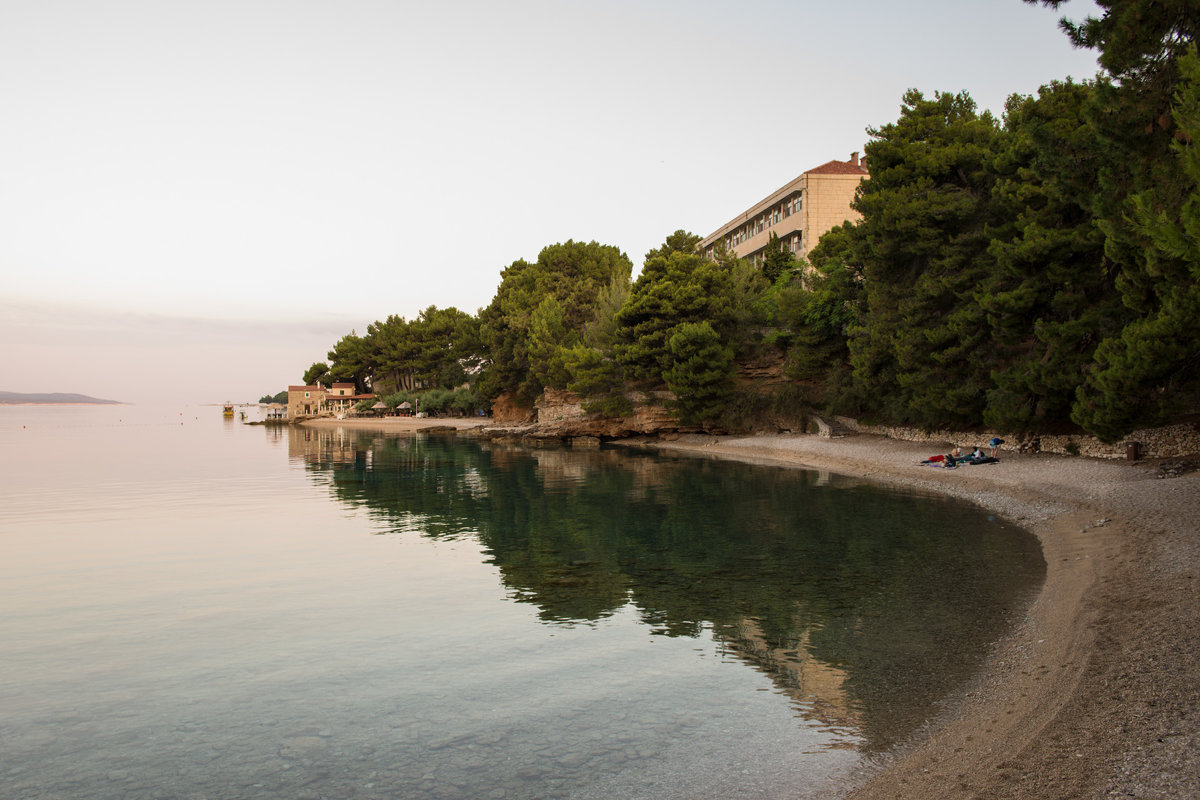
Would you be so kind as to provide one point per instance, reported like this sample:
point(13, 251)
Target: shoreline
point(1096, 692)
point(399, 424)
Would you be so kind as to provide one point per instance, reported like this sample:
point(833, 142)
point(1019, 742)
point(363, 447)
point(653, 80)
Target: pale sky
point(197, 199)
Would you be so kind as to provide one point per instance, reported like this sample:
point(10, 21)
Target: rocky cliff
point(559, 415)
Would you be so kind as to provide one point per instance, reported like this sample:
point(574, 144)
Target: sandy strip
point(1097, 693)
point(399, 424)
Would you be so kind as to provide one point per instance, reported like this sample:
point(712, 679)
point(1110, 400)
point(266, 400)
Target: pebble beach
point(1096, 694)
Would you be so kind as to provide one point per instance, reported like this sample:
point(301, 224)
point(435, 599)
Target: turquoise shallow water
point(199, 608)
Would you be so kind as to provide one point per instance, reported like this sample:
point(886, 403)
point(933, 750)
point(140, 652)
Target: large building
point(304, 401)
point(798, 213)
point(307, 401)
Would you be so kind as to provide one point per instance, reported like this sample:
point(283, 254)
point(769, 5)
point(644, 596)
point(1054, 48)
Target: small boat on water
point(228, 410)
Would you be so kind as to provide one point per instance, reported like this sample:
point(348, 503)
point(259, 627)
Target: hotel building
point(798, 213)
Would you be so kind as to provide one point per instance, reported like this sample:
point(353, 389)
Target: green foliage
point(281, 397)
point(764, 304)
point(466, 402)
point(777, 261)
point(1141, 45)
point(317, 373)
point(680, 241)
point(462, 401)
point(351, 361)
point(602, 330)
point(396, 399)
point(919, 346)
point(828, 299)
point(782, 407)
point(516, 328)
point(547, 335)
point(1051, 296)
point(1139, 42)
point(599, 380)
point(820, 310)
point(436, 401)
point(434, 350)
point(749, 288)
point(1151, 369)
point(677, 289)
point(701, 373)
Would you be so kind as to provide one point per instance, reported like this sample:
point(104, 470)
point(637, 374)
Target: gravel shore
point(1097, 693)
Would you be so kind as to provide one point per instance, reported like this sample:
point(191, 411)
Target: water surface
point(198, 608)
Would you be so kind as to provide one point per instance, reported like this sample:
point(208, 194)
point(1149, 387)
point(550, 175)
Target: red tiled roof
point(838, 168)
point(306, 388)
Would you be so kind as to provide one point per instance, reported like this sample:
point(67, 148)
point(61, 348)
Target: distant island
point(52, 398)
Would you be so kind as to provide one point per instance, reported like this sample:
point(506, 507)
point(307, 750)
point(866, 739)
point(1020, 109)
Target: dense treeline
point(1031, 273)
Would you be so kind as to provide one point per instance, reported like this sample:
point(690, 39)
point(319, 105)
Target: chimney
point(854, 158)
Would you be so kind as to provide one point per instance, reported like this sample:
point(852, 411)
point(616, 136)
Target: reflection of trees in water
point(864, 605)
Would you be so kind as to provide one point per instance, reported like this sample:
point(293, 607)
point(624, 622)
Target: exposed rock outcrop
point(560, 415)
point(506, 411)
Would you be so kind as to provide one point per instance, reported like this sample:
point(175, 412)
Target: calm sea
point(191, 607)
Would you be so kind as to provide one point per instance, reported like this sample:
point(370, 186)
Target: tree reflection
point(865, 605)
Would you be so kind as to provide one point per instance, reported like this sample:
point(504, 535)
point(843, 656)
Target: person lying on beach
point(978, 457)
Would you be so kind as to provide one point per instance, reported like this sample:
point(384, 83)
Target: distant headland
point(53, 398)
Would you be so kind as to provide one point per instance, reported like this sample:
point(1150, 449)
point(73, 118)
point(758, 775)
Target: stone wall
point(1171, 441)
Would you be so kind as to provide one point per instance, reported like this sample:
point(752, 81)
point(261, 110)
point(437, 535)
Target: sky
point(198, 199)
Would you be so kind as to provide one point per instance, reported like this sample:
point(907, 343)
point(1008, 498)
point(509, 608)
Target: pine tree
point(1152, 369)
point(920, 349)
point(701, 373)
point(1051, 296)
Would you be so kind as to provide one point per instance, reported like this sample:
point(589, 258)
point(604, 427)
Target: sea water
point(193, 607)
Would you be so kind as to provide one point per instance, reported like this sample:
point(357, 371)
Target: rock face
point(505, 411)
point(559, 415)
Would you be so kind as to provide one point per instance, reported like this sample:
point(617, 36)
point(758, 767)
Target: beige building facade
point(304, 401)
point(341, 397)
point(798, 213)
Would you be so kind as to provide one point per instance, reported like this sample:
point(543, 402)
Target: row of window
point(765, 220)
point(793, 243)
